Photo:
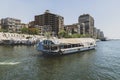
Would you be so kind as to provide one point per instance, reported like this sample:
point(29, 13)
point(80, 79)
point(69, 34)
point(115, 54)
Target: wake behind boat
point(65, 46)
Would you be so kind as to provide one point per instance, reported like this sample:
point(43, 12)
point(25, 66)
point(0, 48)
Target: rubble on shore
point(18, 39)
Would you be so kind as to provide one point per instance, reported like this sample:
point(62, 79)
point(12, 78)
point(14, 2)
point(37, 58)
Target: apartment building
point(50, 19)
point(11, 24)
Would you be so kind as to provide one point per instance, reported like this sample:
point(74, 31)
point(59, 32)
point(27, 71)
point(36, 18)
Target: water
point(26, 63)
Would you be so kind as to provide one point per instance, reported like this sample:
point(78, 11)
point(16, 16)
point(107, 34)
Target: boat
point(65, 46)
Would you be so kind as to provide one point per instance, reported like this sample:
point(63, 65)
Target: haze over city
point(105, 12)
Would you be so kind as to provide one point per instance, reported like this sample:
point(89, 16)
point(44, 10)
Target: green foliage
point(33, 31)
point(76, 35)
point(3, 30)
point(24, 30)
point(62, 33)
point(0, 30)
point(30, 30)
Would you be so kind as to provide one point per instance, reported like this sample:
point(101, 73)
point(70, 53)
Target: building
point(88, 23)
point(44, 29)
point(82, 29)
point(23, 25)
point(75, 28)
point(95, 33)
point(0, 24)
point(11, 24)
point(101, 35)
point(98, 33)
point(50, 19)
point(31, 24)
point(71, 29)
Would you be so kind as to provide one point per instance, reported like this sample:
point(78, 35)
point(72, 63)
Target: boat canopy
point(73, 40)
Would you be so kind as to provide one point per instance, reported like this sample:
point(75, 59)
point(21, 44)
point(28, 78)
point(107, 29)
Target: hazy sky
point(105, 12)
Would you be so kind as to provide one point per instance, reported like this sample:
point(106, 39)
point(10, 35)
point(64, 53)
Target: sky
point(106, 13)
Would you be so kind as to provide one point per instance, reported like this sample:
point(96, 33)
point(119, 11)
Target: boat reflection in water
point(65, 46)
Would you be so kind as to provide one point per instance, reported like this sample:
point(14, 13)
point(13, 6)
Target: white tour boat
point(65, 46)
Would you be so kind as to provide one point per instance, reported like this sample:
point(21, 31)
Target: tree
point(3, 30)
point(33, 31)
point(76, 35)
point(24, 30)
point(62, 33)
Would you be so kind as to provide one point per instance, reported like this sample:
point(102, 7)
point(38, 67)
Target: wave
point(9, 63)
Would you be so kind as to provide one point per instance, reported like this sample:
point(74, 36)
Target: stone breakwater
point(18, 39)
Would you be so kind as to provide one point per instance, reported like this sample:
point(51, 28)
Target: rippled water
point(25, 63)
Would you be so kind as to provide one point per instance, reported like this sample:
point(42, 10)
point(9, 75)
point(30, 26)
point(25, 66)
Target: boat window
point(65, 46)
point(91, 43)
point(46, 47)
point(81, 45)
point(53, 47)
point(45, 42)
point(69, 46)
point(61, 46)
point(50, 42)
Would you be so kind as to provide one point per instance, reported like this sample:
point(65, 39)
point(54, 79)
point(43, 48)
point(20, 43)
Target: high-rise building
point(50, 19)
point(88, 23)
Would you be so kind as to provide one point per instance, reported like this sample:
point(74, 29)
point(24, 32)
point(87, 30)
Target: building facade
point(0, 24)
point(95, 33)
point(71, 29)
point(23, 25)
point(11, 24)
point(101, 35)
point(50, 19)
point(88, 23)
point(75, 28)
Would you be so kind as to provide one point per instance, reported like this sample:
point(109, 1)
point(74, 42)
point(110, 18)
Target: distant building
point(0, 24)
point(45, 29)
point(98, 33)
point(95, 33)
point(23, 25)
point(101, 35)
point(31, 24)
point(82, 28)
point(71, 29)
point(50, 19)
point(75, 28)
point(11, 24)
point(88, 23)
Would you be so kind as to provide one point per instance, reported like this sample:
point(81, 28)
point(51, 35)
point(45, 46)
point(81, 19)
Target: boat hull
point(68, 51)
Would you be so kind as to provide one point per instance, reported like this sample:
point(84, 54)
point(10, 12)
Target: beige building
point(44, 29)
point(24, 25)
point(75, 28)
point(71, 29)
point(11, 24)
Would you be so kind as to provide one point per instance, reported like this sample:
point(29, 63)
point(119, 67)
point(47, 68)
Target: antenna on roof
point(47, 11)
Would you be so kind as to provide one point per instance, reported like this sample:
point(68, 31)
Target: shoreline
point(18, 39)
